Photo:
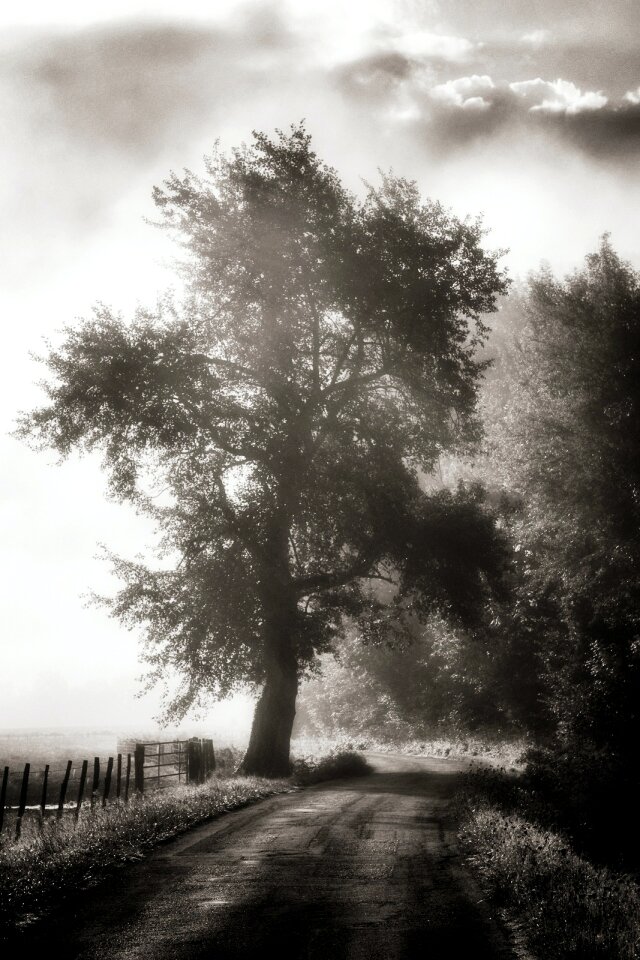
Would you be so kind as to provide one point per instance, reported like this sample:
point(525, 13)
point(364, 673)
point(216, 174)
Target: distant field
point(51, 746)
point(60, 744)
point(56, 747)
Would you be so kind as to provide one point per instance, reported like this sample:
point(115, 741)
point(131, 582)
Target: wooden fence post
point(43, 796)
point(63, 788)
point(209, 758)
point(107, 782)
point(3, 795)
point(23, 798)
point(127, 779)
point(118, 775)
point(194, 761)
point(96, 780)
point(138, 761)
point(83, 780)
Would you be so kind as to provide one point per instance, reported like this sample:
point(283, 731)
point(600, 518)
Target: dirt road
point(364, 868)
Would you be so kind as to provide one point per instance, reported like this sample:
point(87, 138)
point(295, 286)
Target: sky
point(527, 112)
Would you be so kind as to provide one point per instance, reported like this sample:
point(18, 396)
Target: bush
point(339, 765)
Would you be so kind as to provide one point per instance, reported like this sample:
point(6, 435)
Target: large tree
point(323, 353)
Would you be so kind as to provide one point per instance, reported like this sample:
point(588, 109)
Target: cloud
point(557, 96)
point(466, 93)
point(447, 114)
point(136, 87)
point(536, 38)
point(95, 113)
point(610, 133)
point(422, 44)
point(376, 74)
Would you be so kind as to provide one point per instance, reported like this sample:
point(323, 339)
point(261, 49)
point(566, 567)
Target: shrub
point(342, 764)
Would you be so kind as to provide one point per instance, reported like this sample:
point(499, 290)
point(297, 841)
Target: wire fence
point(68, 789)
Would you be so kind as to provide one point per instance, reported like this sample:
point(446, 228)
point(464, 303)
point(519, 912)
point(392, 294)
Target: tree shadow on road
point(410, 784)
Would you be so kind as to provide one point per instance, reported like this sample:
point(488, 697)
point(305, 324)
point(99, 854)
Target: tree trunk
point(268, 751)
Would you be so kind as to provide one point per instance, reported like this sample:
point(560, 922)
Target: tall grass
point(566, 907)
point(37, 871)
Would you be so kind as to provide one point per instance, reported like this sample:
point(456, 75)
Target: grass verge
point(565, 907)
point(40, 870)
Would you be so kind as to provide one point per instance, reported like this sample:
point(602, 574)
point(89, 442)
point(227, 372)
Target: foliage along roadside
point(561, 408)
point(489, 749)
point(565, 907)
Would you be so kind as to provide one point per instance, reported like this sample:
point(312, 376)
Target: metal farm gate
point(188, 761)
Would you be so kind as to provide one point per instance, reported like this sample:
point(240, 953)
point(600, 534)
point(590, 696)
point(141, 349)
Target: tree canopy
point(324, 353)
point(561, 410)
point(569, 446)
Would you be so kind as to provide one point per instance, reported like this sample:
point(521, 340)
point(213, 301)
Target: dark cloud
point(93, 112)
point(447, 128)
point(594, 63)
point(607, 133)
point(450, 111)
point(124, 90)
point(136, 88)
point(611, 134)
point(375, 77)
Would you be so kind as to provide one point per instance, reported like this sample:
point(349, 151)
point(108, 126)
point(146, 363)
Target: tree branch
point(316, 340)
point(337, 578)
point(229, 365)
point(294, 549)
point(235, 522)
point(342, 359)
point(357, 381)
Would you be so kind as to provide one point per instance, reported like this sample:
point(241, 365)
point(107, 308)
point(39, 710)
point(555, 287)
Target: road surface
point(347, 870)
